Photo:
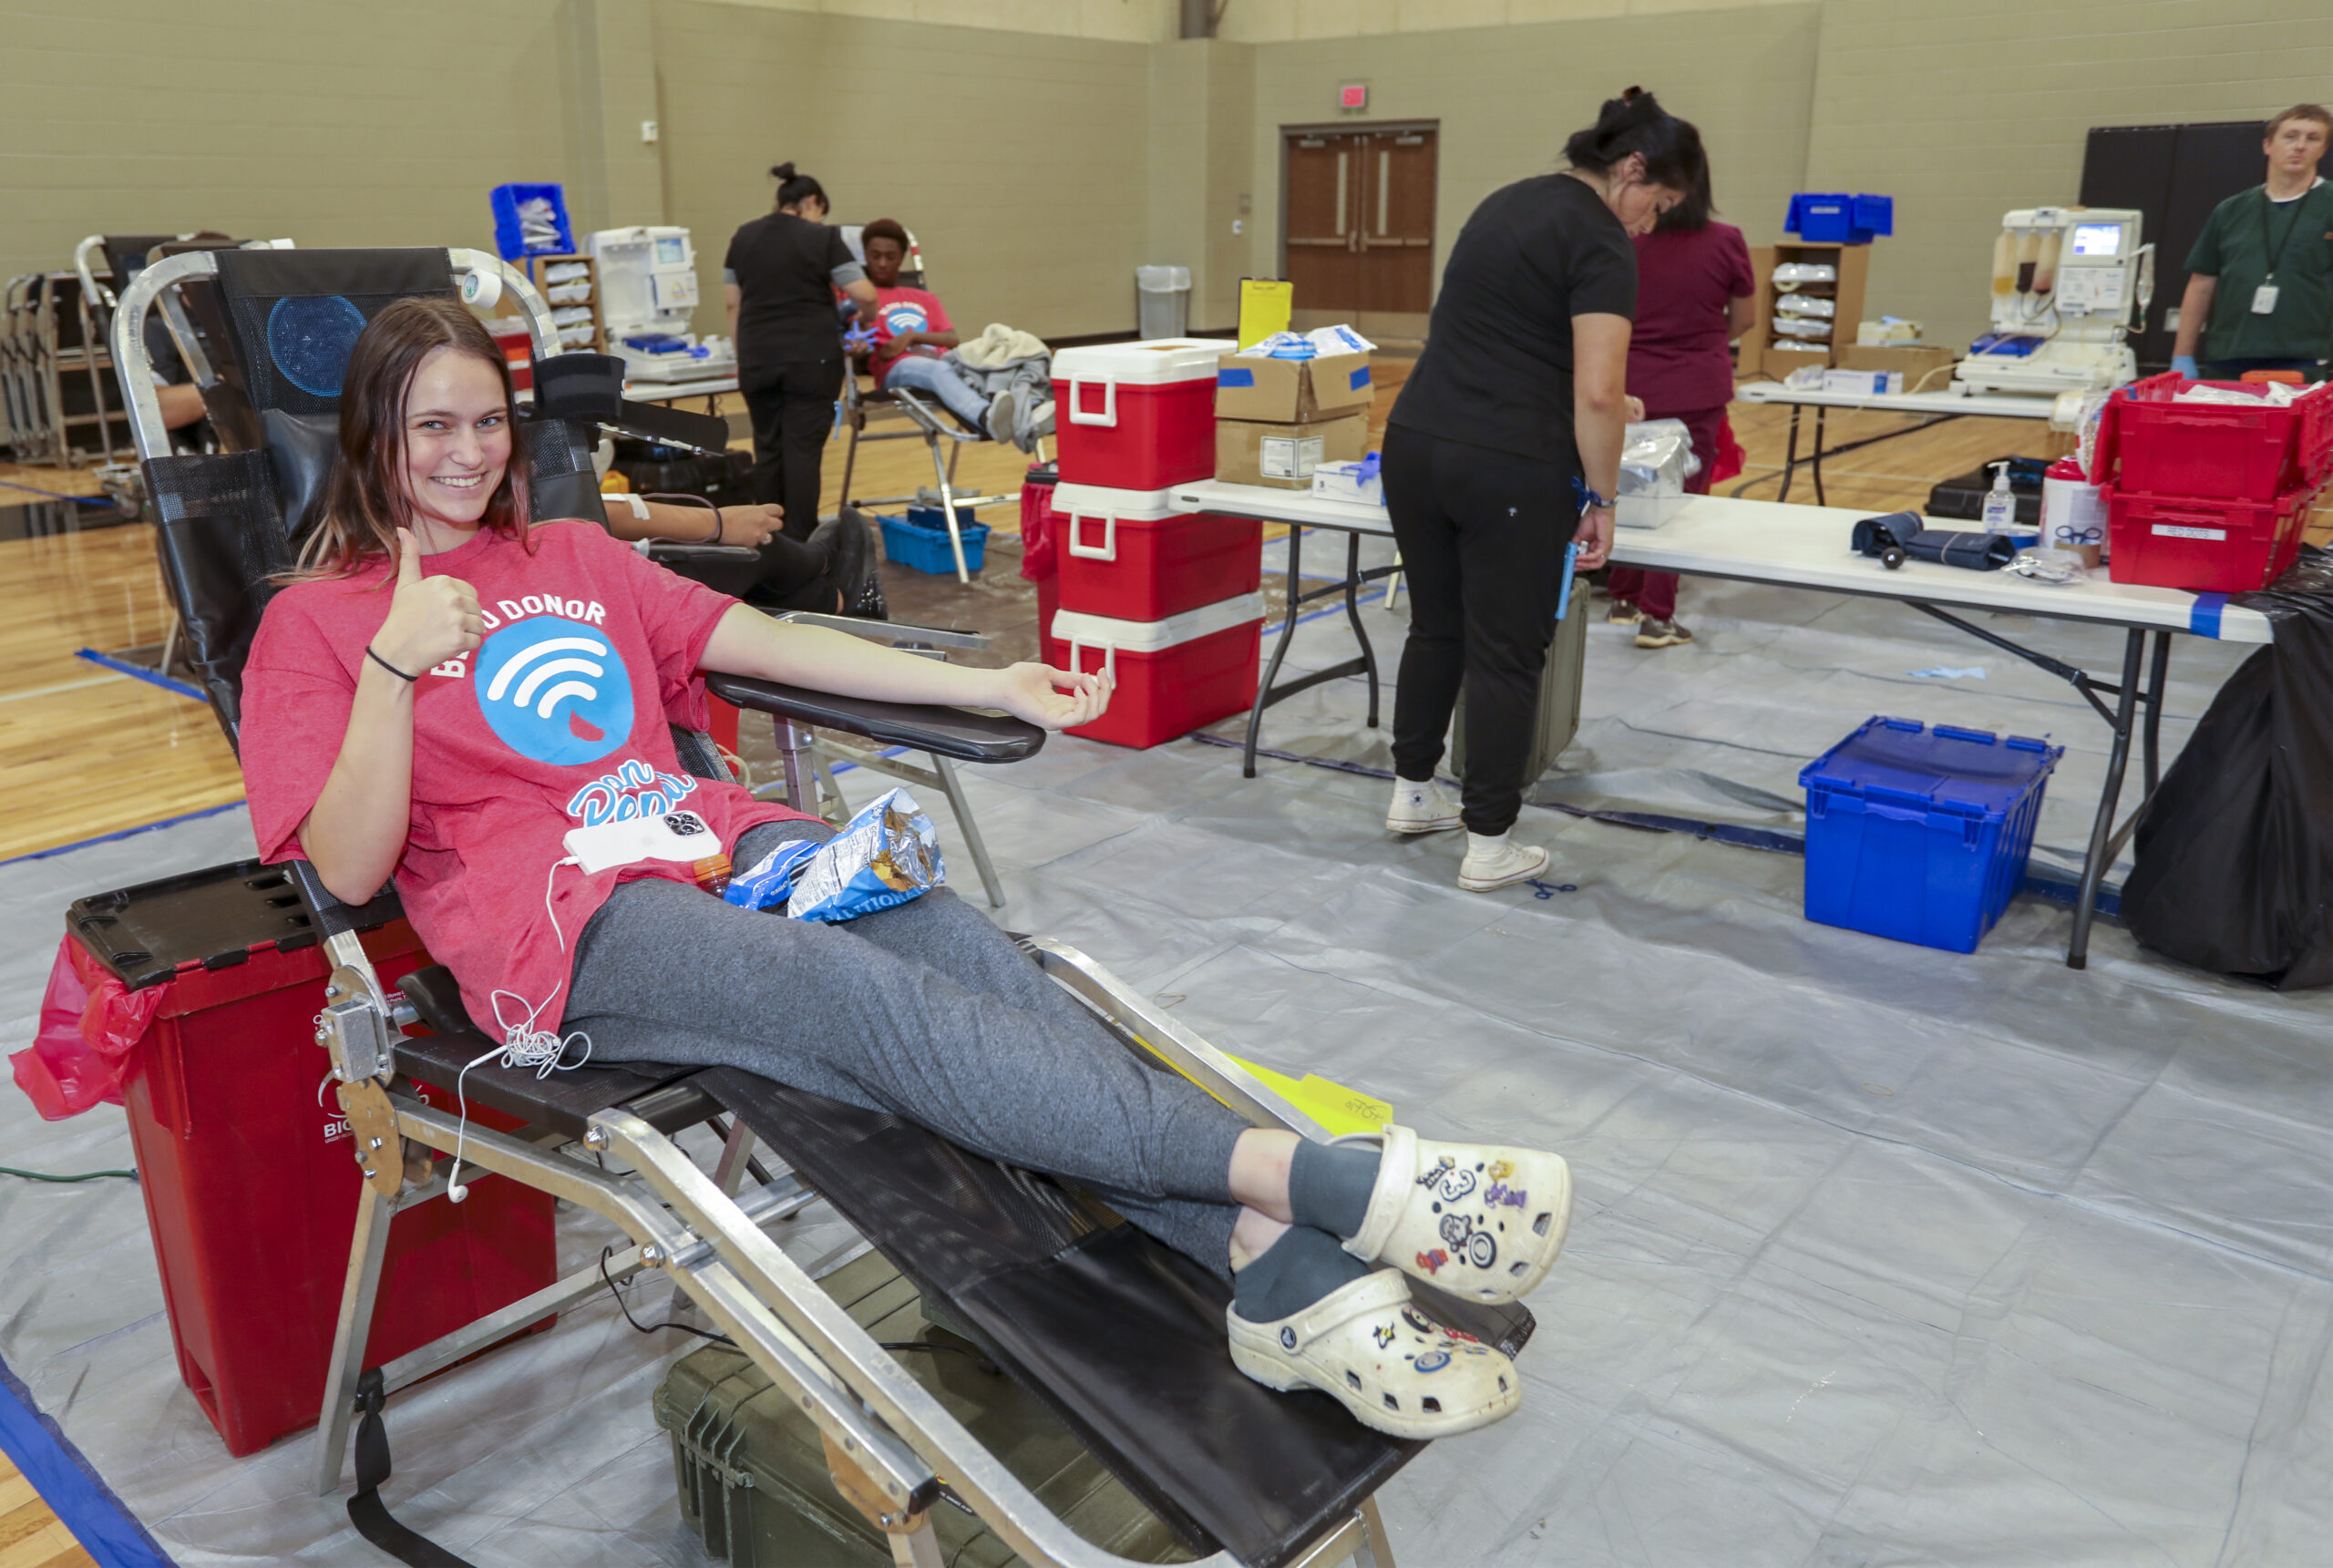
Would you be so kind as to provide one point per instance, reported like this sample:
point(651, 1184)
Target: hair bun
point(782, 171)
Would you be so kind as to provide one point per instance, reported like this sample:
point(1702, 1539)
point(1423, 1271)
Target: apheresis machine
point(648, 298)
point(2065, 280)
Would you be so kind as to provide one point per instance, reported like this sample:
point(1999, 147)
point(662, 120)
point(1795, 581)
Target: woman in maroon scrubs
point(1693, 298)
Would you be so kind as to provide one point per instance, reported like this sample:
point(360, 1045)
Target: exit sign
point(1354, 96)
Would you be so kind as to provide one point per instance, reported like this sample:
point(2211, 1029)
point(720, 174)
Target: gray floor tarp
point(1879, 1255)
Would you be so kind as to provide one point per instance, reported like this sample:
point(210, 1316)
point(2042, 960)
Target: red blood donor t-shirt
point(557, 719)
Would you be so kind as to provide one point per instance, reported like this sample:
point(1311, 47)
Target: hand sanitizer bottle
point(2001, 503)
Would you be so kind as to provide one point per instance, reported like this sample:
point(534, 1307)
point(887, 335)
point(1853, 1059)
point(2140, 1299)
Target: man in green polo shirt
point(2260, 285)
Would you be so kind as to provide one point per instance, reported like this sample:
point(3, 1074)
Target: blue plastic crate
point(1921, 835)
point(919, 541)
point(507, 237)
point(1822, 218)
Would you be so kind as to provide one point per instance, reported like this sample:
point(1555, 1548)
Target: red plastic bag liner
point(75, 1060)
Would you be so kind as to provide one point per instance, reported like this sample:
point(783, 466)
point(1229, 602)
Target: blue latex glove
point(859, 338)
point(2185, 365)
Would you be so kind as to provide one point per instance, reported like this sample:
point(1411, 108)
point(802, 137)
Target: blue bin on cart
point(1821, 218)
point(1921, 835)
point(509, 234)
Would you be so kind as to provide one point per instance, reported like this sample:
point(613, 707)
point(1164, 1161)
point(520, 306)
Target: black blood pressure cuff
point(1900, 532)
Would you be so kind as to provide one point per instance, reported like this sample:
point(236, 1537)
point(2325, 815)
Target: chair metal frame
point(891, 1443)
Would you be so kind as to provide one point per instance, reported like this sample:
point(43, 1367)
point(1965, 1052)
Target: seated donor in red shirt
point(450, 687)
point(1693, 298)
point(913, 335)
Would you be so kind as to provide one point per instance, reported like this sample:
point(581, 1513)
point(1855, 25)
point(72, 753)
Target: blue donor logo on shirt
point(555, 691)
point(905, 316)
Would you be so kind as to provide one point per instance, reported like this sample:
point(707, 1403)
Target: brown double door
point(1360, 244)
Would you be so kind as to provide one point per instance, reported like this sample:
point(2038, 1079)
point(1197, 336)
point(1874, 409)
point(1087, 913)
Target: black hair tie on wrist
point(387, 666)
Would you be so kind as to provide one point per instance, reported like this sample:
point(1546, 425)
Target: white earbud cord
point(523, 1045)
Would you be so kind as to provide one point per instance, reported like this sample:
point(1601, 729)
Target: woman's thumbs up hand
point(431, 619)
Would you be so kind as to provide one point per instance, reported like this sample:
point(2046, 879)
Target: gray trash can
point(1162, 301)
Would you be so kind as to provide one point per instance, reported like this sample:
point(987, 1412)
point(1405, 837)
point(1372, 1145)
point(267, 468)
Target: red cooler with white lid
point(1137, 415)
point(1133, 555)
point(1173, 675)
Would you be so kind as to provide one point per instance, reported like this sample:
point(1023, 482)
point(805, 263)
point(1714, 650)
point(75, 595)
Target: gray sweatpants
point(925, 1010)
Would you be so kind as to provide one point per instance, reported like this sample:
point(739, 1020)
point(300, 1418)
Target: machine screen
point(2098, 238)
point(673, 252)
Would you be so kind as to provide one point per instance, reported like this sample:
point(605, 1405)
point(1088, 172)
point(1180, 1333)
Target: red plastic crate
point(519, 348)
point(2148, 442)
point(1137, 415)
point(2205, 544)
point(1133, 555)
point(250, 1192)
point(1173, 675)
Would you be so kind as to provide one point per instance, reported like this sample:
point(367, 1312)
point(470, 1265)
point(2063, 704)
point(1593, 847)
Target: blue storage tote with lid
point(1921, 835)
point(1822, 218)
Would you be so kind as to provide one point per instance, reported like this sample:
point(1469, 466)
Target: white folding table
point(1940, 407)
point(1808, 548)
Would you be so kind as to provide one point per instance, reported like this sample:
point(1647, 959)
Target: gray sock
point(1329, 1186)
point(1294, 1273)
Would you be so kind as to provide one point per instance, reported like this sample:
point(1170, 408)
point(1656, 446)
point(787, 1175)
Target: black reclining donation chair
point(1119, 1337)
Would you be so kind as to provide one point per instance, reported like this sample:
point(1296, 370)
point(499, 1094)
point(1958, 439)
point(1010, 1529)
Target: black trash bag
point(1897, 535)
point(2234, 854)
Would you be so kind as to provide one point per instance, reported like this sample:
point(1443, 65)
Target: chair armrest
point(680, 550)
point(955, 733)
point(891, 633)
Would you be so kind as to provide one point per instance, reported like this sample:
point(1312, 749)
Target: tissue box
point(1285, 390)
point(1342, 482)
point(1864, 382)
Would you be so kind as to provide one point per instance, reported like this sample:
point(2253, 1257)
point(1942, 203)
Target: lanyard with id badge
point(2264, 298)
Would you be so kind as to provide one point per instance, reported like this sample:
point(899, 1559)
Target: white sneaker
point(1421, 808)
point(1000, 417)
point(1495, 863)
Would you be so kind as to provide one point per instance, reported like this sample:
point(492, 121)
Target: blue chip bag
point(771, 881)
point(886, 855)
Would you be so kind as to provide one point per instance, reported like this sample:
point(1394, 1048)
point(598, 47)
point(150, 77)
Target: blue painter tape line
point(69, 1484)
point(1234, 375)
point(124, 833)
point(139, 672)
point(2204, 619)
point(1361, 378)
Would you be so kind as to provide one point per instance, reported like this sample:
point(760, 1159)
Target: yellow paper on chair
point(1266, 306)
point(1338, 1110)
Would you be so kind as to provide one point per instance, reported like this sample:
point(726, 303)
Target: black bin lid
point(216, 918)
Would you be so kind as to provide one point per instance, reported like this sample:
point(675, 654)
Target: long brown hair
point(365, 502)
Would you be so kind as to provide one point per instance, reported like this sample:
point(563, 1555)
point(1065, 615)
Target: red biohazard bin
point(1133, 555)
point(251, 1183)
point(1137, 415)
point(2205, 544)
point(1172, 675)
point(2149, 442)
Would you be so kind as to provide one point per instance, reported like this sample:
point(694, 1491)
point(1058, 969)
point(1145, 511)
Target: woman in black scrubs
point(1504, 446)
point(780, 276)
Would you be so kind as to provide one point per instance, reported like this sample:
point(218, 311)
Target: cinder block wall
point(1042, 148)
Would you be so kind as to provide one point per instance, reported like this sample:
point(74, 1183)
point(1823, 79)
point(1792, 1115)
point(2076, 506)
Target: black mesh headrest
point(126, 254)
point(293, 315)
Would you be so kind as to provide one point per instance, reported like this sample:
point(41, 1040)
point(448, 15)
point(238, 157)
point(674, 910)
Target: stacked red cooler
point(1164, 598)
point(2210, 497)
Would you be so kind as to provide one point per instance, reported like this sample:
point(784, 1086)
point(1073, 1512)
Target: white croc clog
point(1481, 1222)
point(1396, 1369)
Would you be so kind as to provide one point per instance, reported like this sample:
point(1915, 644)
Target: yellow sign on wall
point(1266, 306)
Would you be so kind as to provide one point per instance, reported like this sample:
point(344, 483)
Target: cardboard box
point(1283, 454)
point(1765, 352)
point(1286, 391)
